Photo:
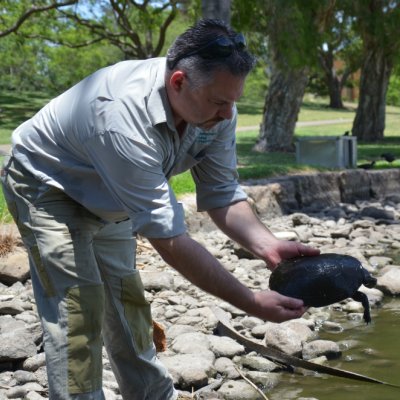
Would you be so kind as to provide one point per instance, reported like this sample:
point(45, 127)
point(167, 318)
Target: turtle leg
point(363, 299)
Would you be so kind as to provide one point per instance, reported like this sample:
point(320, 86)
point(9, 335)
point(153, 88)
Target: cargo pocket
point(41, 271)
point(137, 311)
point(85, 308)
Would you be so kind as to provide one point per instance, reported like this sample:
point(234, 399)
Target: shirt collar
point(158, 107)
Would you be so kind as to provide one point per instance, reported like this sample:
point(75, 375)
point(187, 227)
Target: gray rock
point(302, 329)
point(176, 330)
point(331, 326)
point(380, 262)
point(16, 392)
point(154, 280)
point(389, 282)
point(259, 331)
point(238, 390)
point(16, 345)
point(190, 370)
point(257, 363)
point(377, 213)
point(224, 346)
point(11, 307)
point(191, 343)
point(226, 367)
point(267, 380)
point(22, 377)
point(35, 362)
point(284, 339)
point(319, 348)
point(14, 267)
point(34, 396)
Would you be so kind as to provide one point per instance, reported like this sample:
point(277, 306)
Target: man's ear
point(177, 79)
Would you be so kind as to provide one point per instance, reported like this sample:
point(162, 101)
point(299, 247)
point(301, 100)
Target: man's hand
point(274, 307)
point(280, 250)
point(240, 223)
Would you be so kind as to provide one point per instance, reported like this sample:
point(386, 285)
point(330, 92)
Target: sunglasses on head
point(220, 47)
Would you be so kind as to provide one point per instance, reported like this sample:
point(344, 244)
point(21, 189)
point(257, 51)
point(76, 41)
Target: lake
point(372, 350)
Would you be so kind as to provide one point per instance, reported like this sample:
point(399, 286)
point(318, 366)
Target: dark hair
point(183, 52)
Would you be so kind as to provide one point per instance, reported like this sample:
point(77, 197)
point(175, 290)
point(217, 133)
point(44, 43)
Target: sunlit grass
point(16, 107)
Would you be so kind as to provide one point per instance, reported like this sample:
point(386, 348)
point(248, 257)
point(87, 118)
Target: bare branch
point(163, 29)
point(124, 23)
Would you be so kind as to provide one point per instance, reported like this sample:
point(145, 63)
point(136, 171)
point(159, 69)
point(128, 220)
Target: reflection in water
point(372, 350)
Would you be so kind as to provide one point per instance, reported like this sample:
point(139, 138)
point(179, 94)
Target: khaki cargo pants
point(87, 291)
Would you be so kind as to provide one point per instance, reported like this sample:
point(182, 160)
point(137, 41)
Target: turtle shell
point(320, 280)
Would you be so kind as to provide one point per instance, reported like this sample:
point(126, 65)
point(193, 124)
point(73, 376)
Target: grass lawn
point(252, 165)
point(17, 107)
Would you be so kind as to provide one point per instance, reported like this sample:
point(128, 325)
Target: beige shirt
point(110, 143)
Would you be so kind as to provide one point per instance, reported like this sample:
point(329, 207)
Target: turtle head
point(368, 280)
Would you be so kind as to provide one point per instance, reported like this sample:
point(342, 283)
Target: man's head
point(209, 46)
point(206, 69)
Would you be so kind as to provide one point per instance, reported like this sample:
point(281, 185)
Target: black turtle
point(323, 280)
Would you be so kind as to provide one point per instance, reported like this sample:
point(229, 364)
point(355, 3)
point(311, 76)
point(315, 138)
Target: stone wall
point(280, 196)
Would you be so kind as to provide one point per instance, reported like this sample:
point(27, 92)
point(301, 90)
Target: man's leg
point(69, 293)
point(128, 324)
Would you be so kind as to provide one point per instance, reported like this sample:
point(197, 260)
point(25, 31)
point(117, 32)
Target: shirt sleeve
point(131, 169)
point(216, 176)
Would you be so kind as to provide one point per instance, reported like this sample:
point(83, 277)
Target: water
point(376, 353)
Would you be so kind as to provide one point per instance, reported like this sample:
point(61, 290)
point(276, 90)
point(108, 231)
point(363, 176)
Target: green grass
point(252, 165)
point(5, 216)
point(17, 107)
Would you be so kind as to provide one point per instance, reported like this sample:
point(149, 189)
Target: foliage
point(256, 83)
point(137, 29)
point(339, 55)
point(29, 62)
point(60, 76)
point(15, 14)
point(393, 94)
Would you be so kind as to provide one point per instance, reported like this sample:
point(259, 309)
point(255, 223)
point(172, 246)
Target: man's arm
point(196, 264)
point(239, 222)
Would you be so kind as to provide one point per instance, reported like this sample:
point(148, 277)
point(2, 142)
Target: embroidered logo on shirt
point(205, 137)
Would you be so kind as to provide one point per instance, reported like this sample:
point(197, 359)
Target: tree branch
point(34, 10)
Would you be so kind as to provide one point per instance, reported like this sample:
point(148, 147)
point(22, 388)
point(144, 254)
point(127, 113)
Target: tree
point(34, 55)
point(292, 30)
point(137, 28)
point(377, 21)
point(339, 43)
point(220, 9)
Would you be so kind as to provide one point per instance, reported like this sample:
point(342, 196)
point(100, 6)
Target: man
point(90, 171)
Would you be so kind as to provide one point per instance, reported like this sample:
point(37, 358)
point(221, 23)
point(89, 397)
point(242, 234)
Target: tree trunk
point(334, 84)
point(282, 105)
point(369, 123)
point(219, 9)
point(335, 91)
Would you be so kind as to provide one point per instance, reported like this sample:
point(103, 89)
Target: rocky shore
point(200, 362)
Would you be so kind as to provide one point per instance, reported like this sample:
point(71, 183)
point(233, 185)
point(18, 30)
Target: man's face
point(207, 105)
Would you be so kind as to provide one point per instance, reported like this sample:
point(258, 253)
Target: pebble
point(196, 358)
